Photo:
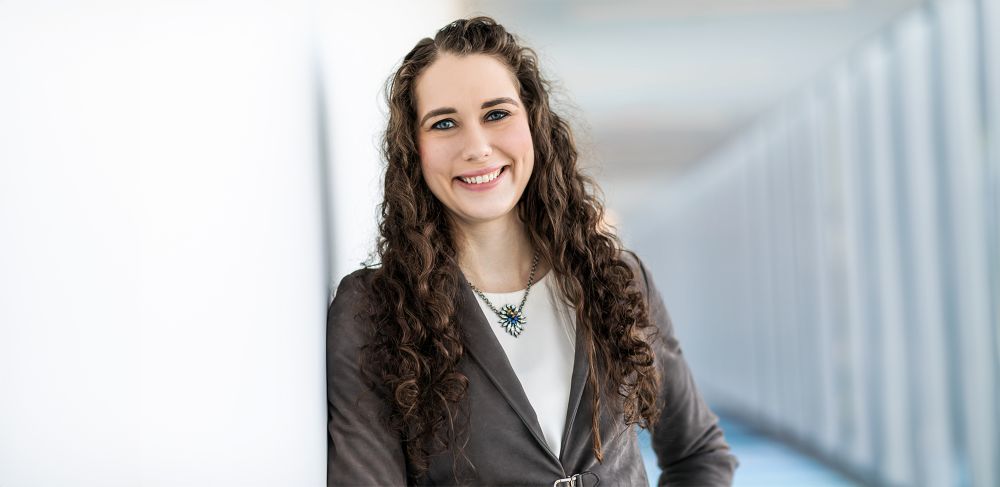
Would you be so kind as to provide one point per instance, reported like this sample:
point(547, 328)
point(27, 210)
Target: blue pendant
point(512, 320)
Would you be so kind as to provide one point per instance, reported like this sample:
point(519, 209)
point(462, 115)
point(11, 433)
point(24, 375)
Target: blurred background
point(815, 185)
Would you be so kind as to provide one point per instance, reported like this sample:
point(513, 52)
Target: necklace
point(512, 319)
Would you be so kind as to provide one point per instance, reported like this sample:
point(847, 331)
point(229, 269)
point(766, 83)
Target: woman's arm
point(687, 439)
point(361, 450)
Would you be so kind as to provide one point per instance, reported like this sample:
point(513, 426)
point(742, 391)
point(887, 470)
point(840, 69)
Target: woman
point(505, 338)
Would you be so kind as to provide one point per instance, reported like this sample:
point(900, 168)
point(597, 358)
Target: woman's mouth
point(482, 181)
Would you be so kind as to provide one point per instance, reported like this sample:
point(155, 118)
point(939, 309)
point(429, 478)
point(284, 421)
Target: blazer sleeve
point(361, 449)
point(689, 444)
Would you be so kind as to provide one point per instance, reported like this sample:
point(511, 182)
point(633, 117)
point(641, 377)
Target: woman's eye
point(497, 115)
point(443, 124)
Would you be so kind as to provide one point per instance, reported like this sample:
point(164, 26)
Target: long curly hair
point(413, 356)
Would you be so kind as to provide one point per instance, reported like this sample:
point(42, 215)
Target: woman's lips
point(483, 186)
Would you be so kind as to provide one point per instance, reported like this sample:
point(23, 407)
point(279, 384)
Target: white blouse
point(542, 356)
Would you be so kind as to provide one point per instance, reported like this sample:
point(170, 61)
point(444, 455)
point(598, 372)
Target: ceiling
point(654, 85)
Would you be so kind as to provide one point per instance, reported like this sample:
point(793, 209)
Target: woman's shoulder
point(630, 257)
point(639, 273)
point(346, 314)
point(356, 282)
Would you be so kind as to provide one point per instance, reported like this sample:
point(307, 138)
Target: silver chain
point(520, 307)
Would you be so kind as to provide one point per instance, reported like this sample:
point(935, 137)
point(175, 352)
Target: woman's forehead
point(463, 82)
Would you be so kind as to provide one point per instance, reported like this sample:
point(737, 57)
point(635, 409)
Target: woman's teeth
point(485, 178)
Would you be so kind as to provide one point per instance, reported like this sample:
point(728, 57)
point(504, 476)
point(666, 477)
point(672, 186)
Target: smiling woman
point(483, 195)
point(475, 144)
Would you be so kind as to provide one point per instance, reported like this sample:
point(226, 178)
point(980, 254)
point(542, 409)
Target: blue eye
point(443, 124)
point(492, 116)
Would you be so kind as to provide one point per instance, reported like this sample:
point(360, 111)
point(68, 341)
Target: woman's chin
point(485, 215)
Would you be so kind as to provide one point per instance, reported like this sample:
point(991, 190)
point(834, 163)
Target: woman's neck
point(496, 256)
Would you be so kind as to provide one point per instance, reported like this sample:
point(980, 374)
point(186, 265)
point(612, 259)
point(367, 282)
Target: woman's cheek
point(426, 154)
point(433, 154)
point(435, 167)
point(518, 137)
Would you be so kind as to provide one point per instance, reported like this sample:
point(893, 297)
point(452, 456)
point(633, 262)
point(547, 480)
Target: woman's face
point(475, 145)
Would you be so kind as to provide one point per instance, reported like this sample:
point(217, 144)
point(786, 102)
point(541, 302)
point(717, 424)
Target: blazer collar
point(485, 349)
point(581, 368)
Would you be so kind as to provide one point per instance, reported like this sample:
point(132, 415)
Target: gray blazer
point(505, 444)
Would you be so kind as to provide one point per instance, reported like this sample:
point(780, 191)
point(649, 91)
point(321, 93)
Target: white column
point(964, 160)
point(889, 355)
point(858, 447)
point(933, 448)
point(990, 11)
point(825, 220)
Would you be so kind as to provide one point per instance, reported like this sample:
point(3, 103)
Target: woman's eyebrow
point(437, 111)
point(486, 104)
point(497, 101)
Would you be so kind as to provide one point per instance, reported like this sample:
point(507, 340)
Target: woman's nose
point(477, 145)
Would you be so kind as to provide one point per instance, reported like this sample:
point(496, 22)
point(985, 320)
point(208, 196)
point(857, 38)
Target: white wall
point(162, 271)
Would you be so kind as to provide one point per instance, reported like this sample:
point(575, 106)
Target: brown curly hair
point(416, 347)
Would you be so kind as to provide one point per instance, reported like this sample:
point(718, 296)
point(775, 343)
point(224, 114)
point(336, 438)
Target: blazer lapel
point(483, 347)
point(578, 382)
